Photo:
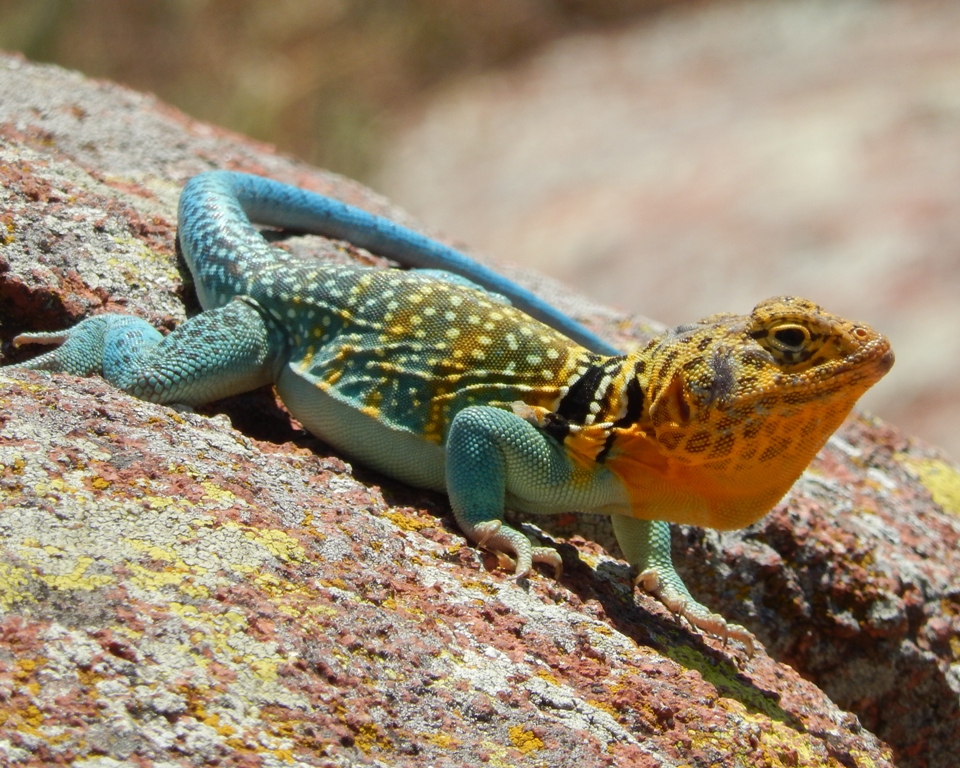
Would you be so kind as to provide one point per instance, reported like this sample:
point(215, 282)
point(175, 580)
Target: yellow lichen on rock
point(938, 477)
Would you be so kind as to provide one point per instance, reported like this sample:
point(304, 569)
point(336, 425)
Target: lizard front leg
point(646, 545)
point(493, 455)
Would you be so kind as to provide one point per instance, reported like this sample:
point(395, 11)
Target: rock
point(175, 591)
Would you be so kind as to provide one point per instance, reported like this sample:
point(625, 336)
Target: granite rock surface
point(222, 589)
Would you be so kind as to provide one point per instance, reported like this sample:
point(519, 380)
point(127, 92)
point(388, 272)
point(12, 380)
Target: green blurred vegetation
point(323, 79)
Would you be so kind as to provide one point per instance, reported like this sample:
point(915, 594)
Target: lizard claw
point(697, 615)
point(503, 541)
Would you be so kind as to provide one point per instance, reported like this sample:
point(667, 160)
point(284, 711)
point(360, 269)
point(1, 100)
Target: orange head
point(736, 406)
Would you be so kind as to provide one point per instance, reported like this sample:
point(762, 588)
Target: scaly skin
point(442, 385)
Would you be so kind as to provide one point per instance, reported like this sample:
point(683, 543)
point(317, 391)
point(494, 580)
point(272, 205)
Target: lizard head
point(740, 404)
point(787, 362)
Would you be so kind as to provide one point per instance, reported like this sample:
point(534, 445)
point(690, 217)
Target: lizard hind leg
point(219, 352)
point(89, 347)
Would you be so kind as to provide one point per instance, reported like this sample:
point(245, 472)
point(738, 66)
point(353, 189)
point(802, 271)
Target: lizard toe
point(482, 533)
point(504, 541)
point(548, 556)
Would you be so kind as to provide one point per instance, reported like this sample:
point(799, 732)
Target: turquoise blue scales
point(422, 376)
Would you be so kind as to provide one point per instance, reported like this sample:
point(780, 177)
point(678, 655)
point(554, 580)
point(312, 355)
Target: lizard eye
point(790, 338)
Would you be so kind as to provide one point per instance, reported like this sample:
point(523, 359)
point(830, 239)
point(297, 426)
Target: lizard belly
point(400, 454)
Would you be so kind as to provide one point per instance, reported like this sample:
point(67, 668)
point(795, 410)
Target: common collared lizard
point(446, 381)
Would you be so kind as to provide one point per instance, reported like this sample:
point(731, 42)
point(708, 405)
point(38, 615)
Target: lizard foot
point(56, 337)
point(697, 615)
point(503, 541)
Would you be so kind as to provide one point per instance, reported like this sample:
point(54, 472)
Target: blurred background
point(670, 158)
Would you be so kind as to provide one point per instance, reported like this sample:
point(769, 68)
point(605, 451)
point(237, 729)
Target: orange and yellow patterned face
point(735, 407)
point(749, 387)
